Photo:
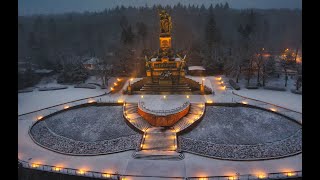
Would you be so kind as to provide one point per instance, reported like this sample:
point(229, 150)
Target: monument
point(167, 68)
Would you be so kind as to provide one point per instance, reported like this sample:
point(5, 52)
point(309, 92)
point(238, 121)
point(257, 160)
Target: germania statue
point(165, 22)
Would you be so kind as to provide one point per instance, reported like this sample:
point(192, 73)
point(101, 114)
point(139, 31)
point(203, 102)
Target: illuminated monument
point(166, 69)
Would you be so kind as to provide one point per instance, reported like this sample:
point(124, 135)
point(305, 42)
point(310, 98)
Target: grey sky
point(29, 7)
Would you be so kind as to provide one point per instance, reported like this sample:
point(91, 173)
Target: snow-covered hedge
point(52, 88)
point(87, 86)
point(296, 92)
point(275, 88)
point(234, 85)
point(251, 86)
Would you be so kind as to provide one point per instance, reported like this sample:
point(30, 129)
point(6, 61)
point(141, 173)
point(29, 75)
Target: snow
point(191, 68)
point(168, 103)
point(191, 165)
point(43, 71)
point(36, 100)
point(285, 99)
point(241, 125)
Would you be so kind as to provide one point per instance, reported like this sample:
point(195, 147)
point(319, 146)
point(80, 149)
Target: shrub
point(234, 85)
point(296, 92)
point(251, 86)
point(275, 88)
point(52, 88)
point(87, 86)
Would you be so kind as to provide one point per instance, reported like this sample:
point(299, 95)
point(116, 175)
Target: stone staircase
point(160, 142)
point(151, 88)
point(195, 113)
point(130, 111)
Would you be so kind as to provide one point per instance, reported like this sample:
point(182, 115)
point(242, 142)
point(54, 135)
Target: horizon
point(49, 7)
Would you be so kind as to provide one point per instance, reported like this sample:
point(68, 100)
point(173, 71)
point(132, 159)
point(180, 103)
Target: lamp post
point(202, 86)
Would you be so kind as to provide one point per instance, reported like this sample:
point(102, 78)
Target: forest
point(223, 39)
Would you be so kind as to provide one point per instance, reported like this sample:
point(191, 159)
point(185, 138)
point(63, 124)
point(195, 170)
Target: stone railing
point(142, 106)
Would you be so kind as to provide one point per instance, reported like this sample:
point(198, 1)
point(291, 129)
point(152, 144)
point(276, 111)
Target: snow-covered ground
point(36, 100)
point(285, 99)
point(191, 165)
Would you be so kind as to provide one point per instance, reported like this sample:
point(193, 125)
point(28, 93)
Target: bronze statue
point(165, 22)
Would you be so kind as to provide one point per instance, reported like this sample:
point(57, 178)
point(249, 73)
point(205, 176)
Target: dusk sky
point(29, 7)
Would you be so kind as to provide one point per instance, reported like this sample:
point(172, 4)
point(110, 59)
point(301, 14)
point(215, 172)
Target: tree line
point(227, 40)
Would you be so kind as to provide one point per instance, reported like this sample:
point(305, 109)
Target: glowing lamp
point(187, 97)
point(209, 101)
point(141, 97)
point(118, 79)
point(203, 178)
point(106, 175)
point(273, 109)
point(81, 172)
point(244, 102)
point(39, 117)
point(291, 174)
point(57, 168)
point(35, 165)
point(120, 101)
point(261, 176)
point(91, 101)
point(131, 79)
point(115, 84)
point(203, 79)
point(111, 89)
point(66, 107)
point(164, 97)
point(231, 178)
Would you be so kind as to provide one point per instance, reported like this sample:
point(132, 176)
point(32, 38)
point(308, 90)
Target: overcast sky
point(29, 7)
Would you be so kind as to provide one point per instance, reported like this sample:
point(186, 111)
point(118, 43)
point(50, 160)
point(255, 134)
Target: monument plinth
point(158, 113)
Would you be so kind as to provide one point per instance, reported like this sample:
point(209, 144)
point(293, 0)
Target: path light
point(141, 96)
point(39, 117)
point(115, 84)
point(209, 101)
point(57, 168)
point(111, 89)
point(188, 97)
point(91, 101)
point(164, 97)
point(244, 102)
point(291, 174)
point(106, 175)
point(118, 79)
point(232, 178)
point(35, 165)
point(66, 107)
point(261, 176)
point(81, 172)
point(203, 178)
point(273, 109)
point(120, 101)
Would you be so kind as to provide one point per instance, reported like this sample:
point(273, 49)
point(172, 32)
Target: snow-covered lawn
point(285, 99)
point(36, 100)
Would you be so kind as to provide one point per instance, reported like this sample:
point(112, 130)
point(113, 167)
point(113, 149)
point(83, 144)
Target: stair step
point(158, 155)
